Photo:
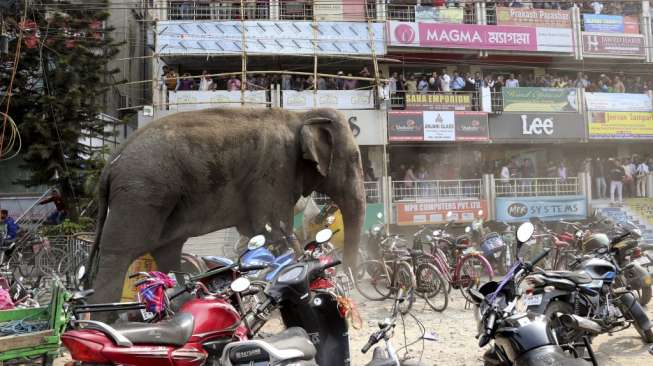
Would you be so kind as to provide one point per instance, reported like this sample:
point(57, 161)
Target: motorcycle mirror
point(379, 215)
point(256, 242)
point(436, 232)
point(323, 236)
point(468, 229)
point(268, 228)
point(476, 296)
point(330, 219)
point(480, 213)
point(525, 232)
point(81, 271)
point(240, 284)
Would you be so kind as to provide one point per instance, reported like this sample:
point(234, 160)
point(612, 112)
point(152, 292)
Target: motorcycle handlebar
point(137, 274)
point(369, 344)
point(252, 267)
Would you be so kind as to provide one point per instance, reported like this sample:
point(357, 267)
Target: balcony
point(461, 14)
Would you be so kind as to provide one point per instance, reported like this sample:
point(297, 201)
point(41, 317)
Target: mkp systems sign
point(512, 209)
point(537, 126)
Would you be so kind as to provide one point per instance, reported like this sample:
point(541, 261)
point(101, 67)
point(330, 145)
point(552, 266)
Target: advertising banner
point(534, 17)
point(269, 37)
point(472, 126)
point(540, 99)
point(190, 100)
point(518, 209)
point(438, 14)
point(486, 37)
point(610, 23)
point(613, 45)
point(621, 125)
point(437, 126)
point(339, 9)
point(439, 102)
point(537, 126)
point(616, 102)
point(338, 99)
point(366, 125)
point(434, 212)
point(405, 126)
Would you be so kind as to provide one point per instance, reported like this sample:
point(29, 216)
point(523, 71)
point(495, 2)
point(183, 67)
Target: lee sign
point(537, 126)
point(513, 209)
point(486, 37)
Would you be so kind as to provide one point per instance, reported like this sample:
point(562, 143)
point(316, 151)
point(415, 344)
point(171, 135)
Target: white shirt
point(205, 83)
point(505, 173)
point(597, 6)
point(445, 82)
point(512, 83)
point(642, 169)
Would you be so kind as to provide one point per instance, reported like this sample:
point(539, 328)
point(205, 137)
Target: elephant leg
point(168, 256)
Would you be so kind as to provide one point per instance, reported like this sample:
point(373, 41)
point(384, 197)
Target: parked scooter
point(519, 338)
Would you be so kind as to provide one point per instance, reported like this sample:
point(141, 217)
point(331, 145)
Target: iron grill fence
point(445, 190)
point(372, 193)
point(524, 187)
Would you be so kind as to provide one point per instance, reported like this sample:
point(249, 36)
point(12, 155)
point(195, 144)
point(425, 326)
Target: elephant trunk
point(352, 207)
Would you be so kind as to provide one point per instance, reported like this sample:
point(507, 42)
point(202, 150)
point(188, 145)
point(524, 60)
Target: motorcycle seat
point(293, 338)
point(575, 277)
point(175, 332)
point(292, 344)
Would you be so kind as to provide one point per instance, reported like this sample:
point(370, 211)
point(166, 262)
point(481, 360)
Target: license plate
point(532, 300)
point(642, 261)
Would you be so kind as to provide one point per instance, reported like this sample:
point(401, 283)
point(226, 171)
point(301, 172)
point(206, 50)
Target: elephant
point(192, 173)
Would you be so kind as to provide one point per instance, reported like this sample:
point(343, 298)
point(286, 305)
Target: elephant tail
point(103, 206)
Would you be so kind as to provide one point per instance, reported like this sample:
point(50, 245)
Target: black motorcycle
point(519, 338)
point(591, 295)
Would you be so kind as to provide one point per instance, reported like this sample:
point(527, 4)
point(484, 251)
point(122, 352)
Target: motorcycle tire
point(644, 295)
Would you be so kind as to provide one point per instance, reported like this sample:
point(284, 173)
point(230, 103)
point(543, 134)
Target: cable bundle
point(11, 143)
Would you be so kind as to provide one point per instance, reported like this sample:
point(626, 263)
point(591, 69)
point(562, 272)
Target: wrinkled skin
point(193, 173)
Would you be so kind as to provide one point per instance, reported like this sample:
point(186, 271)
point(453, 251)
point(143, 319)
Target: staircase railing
point(33, 218)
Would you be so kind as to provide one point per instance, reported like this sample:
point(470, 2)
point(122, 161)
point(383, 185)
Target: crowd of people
point(624, 177)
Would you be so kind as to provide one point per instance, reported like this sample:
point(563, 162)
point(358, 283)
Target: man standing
point(642, 174)
point(458, 83)
point(445, 81)
point(598, 170)
point(58, 216)
point(512, 82)
point(11, 227)
point(617, 175)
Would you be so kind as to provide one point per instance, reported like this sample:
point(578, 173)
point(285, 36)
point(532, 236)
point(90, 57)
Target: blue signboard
point(511, 209)
point(603, 23)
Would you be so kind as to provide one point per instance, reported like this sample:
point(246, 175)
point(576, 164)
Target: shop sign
point(338, 10)
point(610, 23)
point(616, 102)
point(439, 101)
point(540, 99)
point(518, 209)
point(405, 126)
point(536, 126)
point(613, 45)
point(534, 17)
point(366, 125)
point(432, 126)
point(621, 125)
point(190, 100)
point(438, 14)
point(338, 99)
point(486, 37)
point(435, 212)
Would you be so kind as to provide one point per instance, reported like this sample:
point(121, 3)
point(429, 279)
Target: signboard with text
point(439, 102)
point(434, 212)
point(438, 14)
point(518, 209)
point(616, 102)
point(540, 99)
point(534, 17)
point(610, 23)
point(620, 125)
point(537, 126)
point(434, 126)
point(485, 37)
point(605, 44)
point(190, 100)
point(366, 125)
point(338, 99)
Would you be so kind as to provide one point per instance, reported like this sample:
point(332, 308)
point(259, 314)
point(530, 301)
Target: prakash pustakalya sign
point(540, 99)
point(268, 37)
point(484, 37)
point(435, 126)
point(537, 126)
point(512, 209)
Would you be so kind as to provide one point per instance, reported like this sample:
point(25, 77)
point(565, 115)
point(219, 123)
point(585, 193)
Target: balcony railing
point(524, 187)
point(464, 13)
point(445, 190)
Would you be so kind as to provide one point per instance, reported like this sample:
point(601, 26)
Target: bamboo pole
point(243, 76)
point(314, 25)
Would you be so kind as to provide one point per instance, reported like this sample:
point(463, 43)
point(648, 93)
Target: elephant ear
point(317, 150)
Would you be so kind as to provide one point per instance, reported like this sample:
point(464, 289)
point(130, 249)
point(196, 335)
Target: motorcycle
point(590, 295)
point(491, 243)
point(519, 338)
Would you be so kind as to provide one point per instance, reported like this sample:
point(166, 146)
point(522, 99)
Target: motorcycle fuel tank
point(213, 318)
point(522, 333)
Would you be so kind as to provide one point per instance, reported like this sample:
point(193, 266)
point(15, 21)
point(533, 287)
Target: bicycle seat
point(575, 277)
point(175, 332)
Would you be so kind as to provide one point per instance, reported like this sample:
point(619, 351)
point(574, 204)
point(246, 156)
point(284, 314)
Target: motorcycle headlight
point(436, 232)
point(376, 229)
point(330, 220)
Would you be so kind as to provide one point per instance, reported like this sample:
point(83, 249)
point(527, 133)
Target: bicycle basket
point(492, 243)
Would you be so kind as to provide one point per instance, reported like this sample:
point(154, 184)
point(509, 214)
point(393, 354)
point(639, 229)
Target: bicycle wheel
point(473, 270)
point(405, 279)
point(378, 273)
point(47, 260)
point(21, 262)
point(441, 263)
point(431, 286)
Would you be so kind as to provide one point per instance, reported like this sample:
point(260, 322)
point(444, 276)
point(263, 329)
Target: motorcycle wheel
point(644, 295)
point(564, 336)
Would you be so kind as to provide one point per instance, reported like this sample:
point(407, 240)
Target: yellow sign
point(621, 125)
point(144, 263)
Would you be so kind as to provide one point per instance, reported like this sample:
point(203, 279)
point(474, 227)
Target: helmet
point(594, 242)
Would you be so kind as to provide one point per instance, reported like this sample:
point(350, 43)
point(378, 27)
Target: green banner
point(540, 100)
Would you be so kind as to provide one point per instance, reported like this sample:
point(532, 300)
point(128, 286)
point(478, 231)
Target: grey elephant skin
point(193, 173)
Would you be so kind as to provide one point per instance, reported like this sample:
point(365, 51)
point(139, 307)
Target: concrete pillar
point(649, 186)
point(489, 195)
point(386, 187)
